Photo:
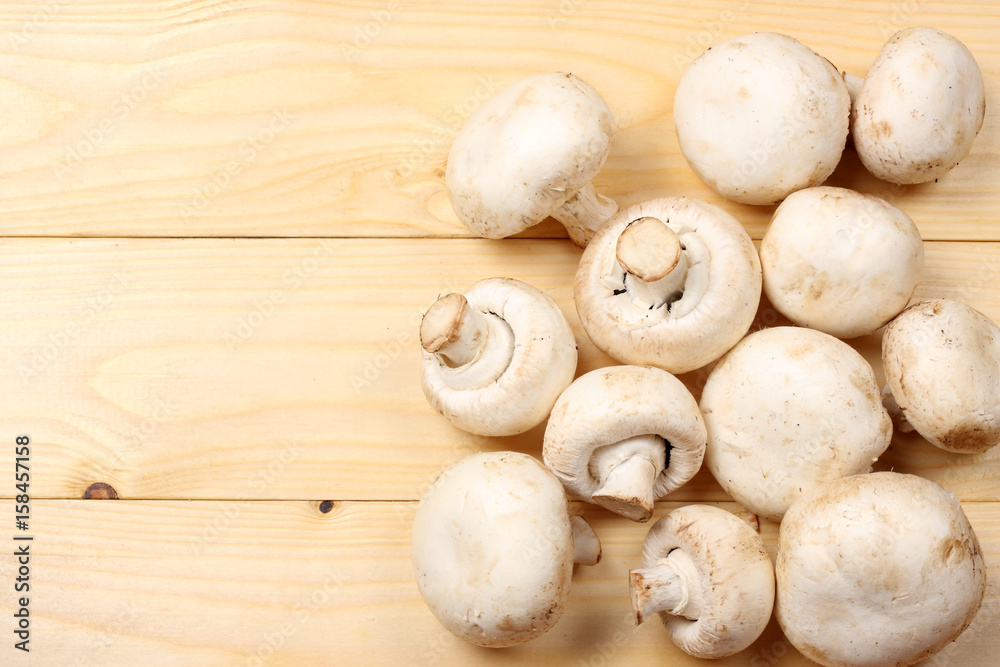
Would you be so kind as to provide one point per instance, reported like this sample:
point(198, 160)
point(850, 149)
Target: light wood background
point(220, 223)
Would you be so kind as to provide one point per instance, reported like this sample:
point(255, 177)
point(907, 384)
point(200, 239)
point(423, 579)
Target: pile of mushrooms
point(872, 568)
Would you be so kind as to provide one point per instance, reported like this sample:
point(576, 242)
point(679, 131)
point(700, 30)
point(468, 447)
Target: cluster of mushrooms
point(791, 418)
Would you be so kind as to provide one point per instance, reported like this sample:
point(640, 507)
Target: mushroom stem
point(627, 471)
point(586, 544)
point(584, 213)
point(853, 84)
point(455, 331)
point(654, 261)
point(670, 586)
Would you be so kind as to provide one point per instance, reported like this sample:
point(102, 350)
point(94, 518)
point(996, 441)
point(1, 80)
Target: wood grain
point(220, 223)
point(279, 583)
point(288, 369)
point(311, 118)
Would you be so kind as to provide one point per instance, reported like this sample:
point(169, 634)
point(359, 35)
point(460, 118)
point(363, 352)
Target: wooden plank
point(280, 583)
point(245, 118)
point(288, 369)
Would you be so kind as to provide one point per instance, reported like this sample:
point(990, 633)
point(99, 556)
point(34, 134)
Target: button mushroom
point(839, 261)
point(942, 368)
point(919, 108)
point(707, 574)
point(879, 569)
point(671, 283)
point(787, 409)
point(760, 116)
point(624, 436)
point(493, 548)
point(530, 152)
point(496, 358)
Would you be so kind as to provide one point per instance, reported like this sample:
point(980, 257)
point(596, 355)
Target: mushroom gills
point(657, 268)
point(671, 585)
point(477, 347)
point(654, 260)
point(626, 472)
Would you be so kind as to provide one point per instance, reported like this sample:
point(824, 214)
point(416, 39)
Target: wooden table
point(221, 223)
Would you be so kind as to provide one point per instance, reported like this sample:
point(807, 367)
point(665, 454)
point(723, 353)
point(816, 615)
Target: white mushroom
point(671, 283)
point(530, 152)
point(919, 108)
point(942, 368)
point(840, 261)
point(786, 410)
point(623, 437)
point(879, 569)
point(493, 548)
point(707, 574)
point(496, 359)
point(760, 116)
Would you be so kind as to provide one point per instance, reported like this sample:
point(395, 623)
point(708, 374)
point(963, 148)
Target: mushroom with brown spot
point(942, 369)
point(671, 283)
point(786, 410)
point(493, 548)
point(920, 107)
point(530, 152)
point(761, 116)
point(622, 437)
point(496, 358)
point(840, 261)
point(878, 569)
point(707, 574)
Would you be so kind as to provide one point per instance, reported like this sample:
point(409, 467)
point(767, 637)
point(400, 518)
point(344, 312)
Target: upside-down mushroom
point(707, 574)
point(623, 437)
point(496, 358)
point(671, 283)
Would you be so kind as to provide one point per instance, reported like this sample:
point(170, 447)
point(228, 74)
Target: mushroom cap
point(720, 298)
point(543, 364)
point(526, 151)
point(734, 573)
point(786, 410)
point(920, 107)
point(840, 261)
point(942, 365)
point(608, 405)
point(760, 116)
point(492, 548)
point(879, 569)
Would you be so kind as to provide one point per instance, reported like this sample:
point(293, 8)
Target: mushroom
point(942, 368)
point(919, 108)
point(530, 152)
point(671, 282)
point(786, 410)
point(707, 574)
point(761, 116)
point(493, 548)
point(840, 261)
point(624, 436)
point(496, 358)
point(879, 569)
